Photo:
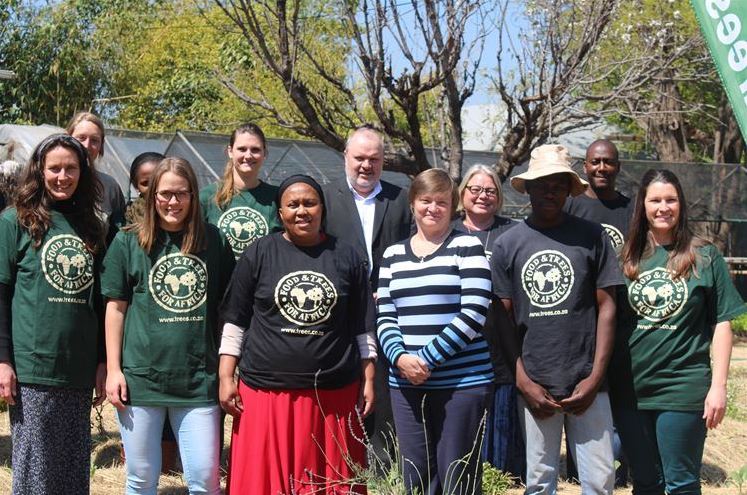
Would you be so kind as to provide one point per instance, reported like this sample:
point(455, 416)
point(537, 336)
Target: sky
point(485, 26)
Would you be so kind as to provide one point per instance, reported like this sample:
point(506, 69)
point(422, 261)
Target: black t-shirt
point(487, 238)
point(614, 215)
point(302, 308)
point(551, 276)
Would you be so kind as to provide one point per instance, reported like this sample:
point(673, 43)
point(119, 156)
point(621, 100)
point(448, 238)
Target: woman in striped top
point(434, 290)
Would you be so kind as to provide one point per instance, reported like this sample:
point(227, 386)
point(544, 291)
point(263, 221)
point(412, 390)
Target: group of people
point(328, 320)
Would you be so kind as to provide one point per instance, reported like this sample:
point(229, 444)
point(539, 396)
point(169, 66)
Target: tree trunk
point(666, 125)
point(728, 144)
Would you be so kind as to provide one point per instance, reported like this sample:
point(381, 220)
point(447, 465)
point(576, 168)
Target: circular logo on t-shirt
point(305, 297)
point(67, 264)
point(615, 236)
point(178, 282)
point(242, 226)
point(547, 278)
point(655, 296)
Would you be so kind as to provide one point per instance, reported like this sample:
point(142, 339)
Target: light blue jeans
point(197, 434)
point(590, 435)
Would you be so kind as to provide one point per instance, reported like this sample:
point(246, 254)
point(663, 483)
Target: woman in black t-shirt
point(299, 323)
point(140, 171)
point(480, 202)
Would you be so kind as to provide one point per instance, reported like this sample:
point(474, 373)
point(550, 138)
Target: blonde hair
point(480, 168)
point(147, 228)
point(87, 117)
point(227, 190)
point(432, 181)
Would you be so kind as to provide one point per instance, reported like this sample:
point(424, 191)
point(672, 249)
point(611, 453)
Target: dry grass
point(725, 450)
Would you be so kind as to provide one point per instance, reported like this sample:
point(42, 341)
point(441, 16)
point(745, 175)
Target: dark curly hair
point(33, 201)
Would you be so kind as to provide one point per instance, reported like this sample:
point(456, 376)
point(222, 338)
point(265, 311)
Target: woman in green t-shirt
point(665, 392)
point(164, 277)
point(51, 347)
point(241, 205)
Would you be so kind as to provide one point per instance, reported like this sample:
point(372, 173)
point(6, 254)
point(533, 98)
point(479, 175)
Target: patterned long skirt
point(504, 441)
point(51, 435)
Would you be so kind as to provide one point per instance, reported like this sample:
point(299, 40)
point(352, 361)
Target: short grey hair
point(481, 168)
point(365, 128)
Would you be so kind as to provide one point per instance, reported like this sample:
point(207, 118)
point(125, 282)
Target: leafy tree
point(653, 76)
point(49, 49)
point(292, 41)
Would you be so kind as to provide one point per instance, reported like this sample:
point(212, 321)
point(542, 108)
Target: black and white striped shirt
point(434, 307)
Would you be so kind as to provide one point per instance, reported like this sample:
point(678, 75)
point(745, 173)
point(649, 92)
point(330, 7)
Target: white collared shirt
point(366, 211)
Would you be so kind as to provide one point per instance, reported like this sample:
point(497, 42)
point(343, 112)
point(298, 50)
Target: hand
point(116, 389)
point(413, 369)
point(366, 398)
point(582, 396)
point(715, 406)
point(229, 398)
point(540, 402)
point(100, 396)
point(8, 383)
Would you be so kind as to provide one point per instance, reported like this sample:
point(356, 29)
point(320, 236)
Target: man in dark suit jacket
point(372, 215)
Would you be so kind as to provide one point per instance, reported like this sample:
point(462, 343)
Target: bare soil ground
point(725, 449)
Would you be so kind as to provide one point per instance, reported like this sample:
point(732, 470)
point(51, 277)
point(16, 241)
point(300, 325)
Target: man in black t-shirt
point(602, 202)
point(556, 275)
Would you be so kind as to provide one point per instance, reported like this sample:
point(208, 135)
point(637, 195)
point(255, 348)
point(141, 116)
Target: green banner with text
point(724, 26)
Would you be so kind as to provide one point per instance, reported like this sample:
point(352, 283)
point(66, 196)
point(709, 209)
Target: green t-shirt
point(665, 327)
point(248, 216)
point(170, 344)
point(55, 329)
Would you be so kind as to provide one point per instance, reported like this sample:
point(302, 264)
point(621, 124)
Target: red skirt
point(294, 442)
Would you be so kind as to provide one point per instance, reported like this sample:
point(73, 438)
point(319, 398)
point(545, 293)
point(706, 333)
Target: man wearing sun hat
point(556, 274)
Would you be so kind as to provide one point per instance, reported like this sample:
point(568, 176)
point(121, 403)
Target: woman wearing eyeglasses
point(164, 277)
point(480, 202)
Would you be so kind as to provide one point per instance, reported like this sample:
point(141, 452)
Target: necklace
point(435, 245)
point(486, 245)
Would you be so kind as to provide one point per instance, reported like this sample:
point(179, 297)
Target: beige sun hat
point(549, 159)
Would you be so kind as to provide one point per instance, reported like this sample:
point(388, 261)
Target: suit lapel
point(382, 203)
point(355, 220)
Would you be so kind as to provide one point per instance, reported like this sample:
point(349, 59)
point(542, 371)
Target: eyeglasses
point(609, 161)
point(167, 196)
point(477, 190)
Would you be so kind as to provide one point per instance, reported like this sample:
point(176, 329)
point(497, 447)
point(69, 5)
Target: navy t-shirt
point(614, 215)
point(487, 237)
point(551, 276)
point(302, 308)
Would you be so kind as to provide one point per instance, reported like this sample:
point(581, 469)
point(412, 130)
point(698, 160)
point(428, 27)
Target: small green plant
point(739, 326)
point(734, 389)
point(495, 481)
point(739, 478)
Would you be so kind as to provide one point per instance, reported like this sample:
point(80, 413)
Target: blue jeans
point(197, 434)
point(664, 449)
point(590, 437)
